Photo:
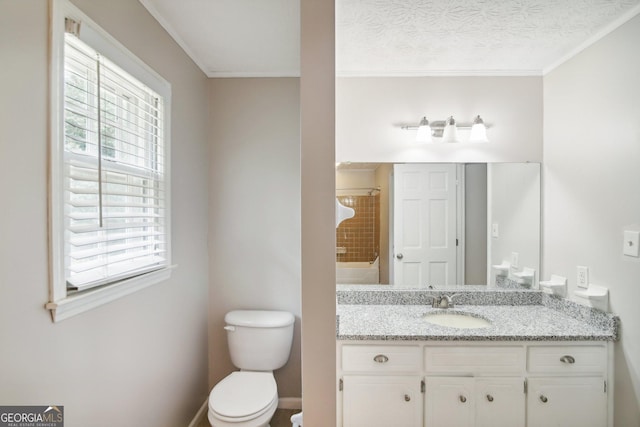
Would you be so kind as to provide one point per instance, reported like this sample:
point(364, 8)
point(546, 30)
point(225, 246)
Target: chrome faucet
point(442, 301)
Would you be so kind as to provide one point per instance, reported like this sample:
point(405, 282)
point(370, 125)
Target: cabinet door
point(381, 401)
point(449, 402)
point(500, 402)
point(567, 402)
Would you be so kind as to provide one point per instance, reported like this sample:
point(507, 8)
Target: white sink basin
point(457, 320)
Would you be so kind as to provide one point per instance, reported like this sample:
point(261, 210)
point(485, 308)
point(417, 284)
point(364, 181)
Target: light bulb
point(478, 131)
point(424, 131)
point(450, 134)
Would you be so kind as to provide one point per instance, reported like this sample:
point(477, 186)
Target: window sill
point(77, 304)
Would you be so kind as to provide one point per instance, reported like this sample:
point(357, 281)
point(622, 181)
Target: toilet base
point(260, 421)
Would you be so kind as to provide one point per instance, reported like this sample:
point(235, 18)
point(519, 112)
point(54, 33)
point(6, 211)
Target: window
point(110, 228)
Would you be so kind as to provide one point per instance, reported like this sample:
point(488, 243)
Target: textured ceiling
point(391, 37)
point(455, 36)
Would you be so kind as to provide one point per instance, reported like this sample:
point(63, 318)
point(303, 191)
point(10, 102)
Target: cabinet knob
point(399, 256)
point(463, 399)
point(543, 398)
point(407, 398)
point(489, 398)
point(380, 358)
point(568, 359)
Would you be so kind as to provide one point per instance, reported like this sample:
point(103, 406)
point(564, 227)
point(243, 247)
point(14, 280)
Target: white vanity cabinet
point(449, 401)
point(474, 384)
point(381, 386)
point(500, 402)
point(480, 402)
point(381, 401)
point(568, 386)
point(567, 402)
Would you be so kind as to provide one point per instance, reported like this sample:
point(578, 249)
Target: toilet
point(259, 343)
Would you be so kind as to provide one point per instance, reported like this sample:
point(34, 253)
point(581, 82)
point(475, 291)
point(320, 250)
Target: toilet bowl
point(243, 399)
point(259, 342)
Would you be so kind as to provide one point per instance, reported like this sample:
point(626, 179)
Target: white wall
point(475, 224)
point(370, 111)
point(514, 205)
point(591, 187)
point(364, 179)
point(254, 241)
point(140, 360)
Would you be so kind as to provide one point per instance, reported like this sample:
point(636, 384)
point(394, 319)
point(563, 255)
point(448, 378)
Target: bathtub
point(358, 272)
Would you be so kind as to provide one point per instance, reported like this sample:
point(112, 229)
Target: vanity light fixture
point(450, 133)
point(447, 130)
point(424, 131)
point(478, 131)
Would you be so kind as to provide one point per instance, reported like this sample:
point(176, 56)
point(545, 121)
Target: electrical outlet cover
point(582, 277)
point(514, 259)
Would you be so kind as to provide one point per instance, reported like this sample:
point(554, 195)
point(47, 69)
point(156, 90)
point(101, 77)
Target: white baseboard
point(290, 403)
point(201, 414)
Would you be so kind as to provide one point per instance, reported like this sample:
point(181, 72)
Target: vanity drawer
point(567, 358)
point(380, 358)
point(470, 360)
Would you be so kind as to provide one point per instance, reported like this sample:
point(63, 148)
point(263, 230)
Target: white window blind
point(114, 172)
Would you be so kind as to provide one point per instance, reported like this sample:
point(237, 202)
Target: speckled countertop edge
point(470, 295)
point(381, 313)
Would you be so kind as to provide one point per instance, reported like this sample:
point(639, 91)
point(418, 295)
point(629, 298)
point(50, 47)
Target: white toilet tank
point(259, 340)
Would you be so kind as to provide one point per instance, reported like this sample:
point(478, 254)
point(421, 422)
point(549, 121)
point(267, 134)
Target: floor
point(282, 418)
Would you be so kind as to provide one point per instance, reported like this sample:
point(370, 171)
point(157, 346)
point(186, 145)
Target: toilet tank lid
point(259, 318)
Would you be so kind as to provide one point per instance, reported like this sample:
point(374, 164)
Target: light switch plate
point(495, 230)
point(631, 243)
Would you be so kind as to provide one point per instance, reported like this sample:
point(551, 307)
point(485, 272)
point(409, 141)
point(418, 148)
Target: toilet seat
point(243, 396)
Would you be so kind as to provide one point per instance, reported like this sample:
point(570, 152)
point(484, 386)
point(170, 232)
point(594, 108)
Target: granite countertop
point(532, 316)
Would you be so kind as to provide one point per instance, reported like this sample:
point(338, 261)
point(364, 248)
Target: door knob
point(399, 256)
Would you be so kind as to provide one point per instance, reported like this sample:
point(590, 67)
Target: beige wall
point(138, 361)
point(591, 187)
point(370, 111)
point(383, 176)
point(317, 150)
point(254, 241)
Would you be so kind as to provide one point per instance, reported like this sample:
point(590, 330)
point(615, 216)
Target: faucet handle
point(447, 301)
point(450, 297)
point(435, 300)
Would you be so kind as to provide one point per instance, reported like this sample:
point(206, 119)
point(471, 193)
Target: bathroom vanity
point(538, 360)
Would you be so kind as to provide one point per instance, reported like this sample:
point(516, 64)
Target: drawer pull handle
point(463, 399)
point(381, 358)
point(489, 398)
point(543, 398)
point(407, 398)
point(568, 359)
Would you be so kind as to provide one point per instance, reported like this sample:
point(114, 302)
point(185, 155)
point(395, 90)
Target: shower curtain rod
point(359, 188)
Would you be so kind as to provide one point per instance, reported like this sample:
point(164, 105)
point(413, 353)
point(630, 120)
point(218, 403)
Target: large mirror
point(439, 224)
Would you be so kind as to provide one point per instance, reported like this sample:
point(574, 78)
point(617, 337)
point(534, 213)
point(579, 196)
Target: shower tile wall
point(360, 235)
